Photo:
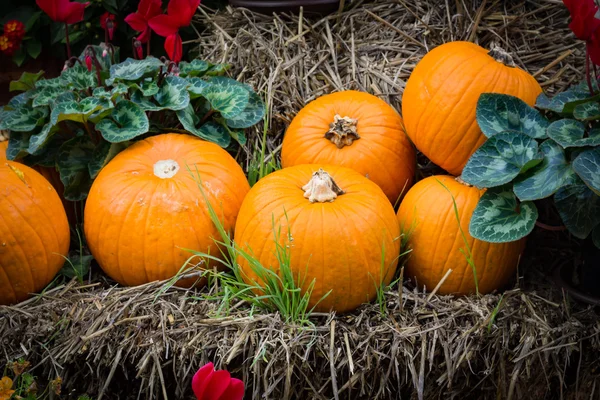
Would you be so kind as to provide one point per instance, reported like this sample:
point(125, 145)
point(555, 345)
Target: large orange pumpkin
point(341, 225)
point(52, 175)
point(356, 130)
point(428, 220)
point(440, 99)
point(145, 207)
point(34, 232)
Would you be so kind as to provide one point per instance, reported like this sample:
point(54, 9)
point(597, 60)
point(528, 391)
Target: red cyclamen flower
point(139, 52)
point(14, 30)
point(63, 10)
point(216, 385)
point(585, 25)
point(179, 14)
point(88, 62)
point(108, 23)
point(147, 9)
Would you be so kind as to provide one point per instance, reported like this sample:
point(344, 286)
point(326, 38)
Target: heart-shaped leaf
point(587, 111)
point(54, 82)
point(194, 68)
point(217, 69)
point(498, 219)
point(173, 94)
point(17, 145)
point(500, 159)
point(227, 96)
point(498, 113)
point(565, 102)
point(47, 96)
point(579, 208)
point(546, 178)
point(145, 103)
point(197, 86)
point(23, 119)
point(250, 115)
point(78, 77)
point(210, 131)
point(103, 153)
point(72, 162)
point(132, 70)
point(570, 133)
point(39, 140)
point(76, 111)
point(147, 87)
point(127, 121)
point(587, 166)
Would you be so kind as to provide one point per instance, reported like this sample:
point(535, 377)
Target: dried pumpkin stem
point(342, 131)
point(501, 55)
point(321, 188)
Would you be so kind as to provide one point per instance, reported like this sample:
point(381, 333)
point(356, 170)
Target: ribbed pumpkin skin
point(34, 232)
point(440, 100)
point(436, 241)
point(337, 243)
point(137, 225)
point(383, 153)
point(53, 177)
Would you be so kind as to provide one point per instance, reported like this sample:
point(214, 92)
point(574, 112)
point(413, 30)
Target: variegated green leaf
point(565, 102)
point(78, 77)
point(250, 115)
point(546, 178)
point(579, 208)
point(17, 145)
point(23, 119)
point(25, 82)
point(587, 166)
point(210, 131)
point(498, 218)
point(197, 86)
point(587, 111)
point(54, 82)
point(47, 96)
point(194, 68)
point(217, 69)
point(570, 133)
point(39, 140)
point(145, 103)
point(498, 113)
point(127, 121)
point(132, 70)
point(227, 96)
point(173, 94)
point(72, 162)
point(147, 87)
point(103, 153)
point(47, 158)
point(65, 97)
point(500, 159)
point(76, 111)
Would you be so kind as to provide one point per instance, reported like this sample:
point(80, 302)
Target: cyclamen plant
point(535, 153)
point(79, 121)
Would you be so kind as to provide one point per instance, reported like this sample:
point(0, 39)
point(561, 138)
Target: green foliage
point(80, 120)
point(535, 153)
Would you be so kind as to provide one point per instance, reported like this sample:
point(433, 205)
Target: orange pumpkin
point(355, 130)
point(34, 232)
point(428, 220)
point(145, 207)
point(339, 223)
point(52, 175)
point(440, 99)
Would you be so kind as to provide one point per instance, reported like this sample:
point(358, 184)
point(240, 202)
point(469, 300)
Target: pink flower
point(209, 384)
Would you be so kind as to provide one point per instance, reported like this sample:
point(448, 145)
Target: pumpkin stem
point(342, 131)
point(321, 188)
point(501, 55)
point(165, 169)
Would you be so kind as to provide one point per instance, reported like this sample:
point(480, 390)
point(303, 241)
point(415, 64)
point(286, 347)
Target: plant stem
point(67, 39)
point(207, 116)
point(148, 45)
point(550, 227)
point(587, 71)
